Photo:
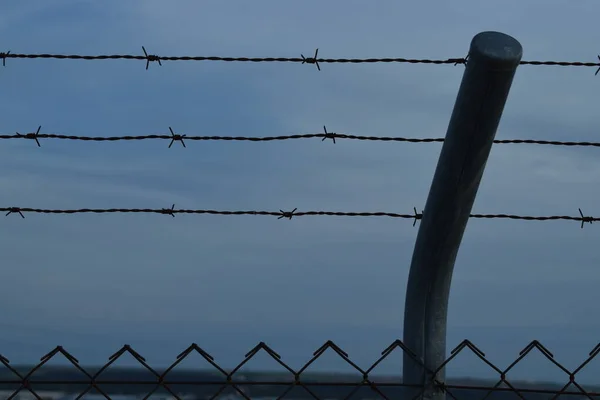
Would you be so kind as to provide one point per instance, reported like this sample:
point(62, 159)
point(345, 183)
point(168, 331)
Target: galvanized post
point(490, 68)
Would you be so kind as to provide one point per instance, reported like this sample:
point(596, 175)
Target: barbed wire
point(148, 58)
point(284, 214)
point(232, 379)
point(175, 137)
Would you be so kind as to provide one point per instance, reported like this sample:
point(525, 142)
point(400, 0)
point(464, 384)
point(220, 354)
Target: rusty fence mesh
point(145, 382)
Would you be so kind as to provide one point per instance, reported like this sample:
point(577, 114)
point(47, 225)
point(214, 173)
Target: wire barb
point(176, 138)
point(462, 61)
point(169, 211)
point(287, 214)
point(32, 135)
point(150, 58)
point(328, 135)
point(3, 56)
point(417, 216)
point(585, 219)
point(14, 210)
point(598, 70)
point(311, 60)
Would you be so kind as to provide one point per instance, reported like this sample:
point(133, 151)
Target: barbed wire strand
point(284, 214)
point(243, 385)
point(148, 58)
point(174, 137)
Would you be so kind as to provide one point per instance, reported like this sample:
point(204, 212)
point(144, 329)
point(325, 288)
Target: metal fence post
point(490, 68)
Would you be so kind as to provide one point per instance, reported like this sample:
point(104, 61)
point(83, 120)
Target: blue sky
point(95, 282)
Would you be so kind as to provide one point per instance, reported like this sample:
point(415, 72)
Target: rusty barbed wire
point(98, 379)
point(315, 60)
point(172, 211)
point(173, 137)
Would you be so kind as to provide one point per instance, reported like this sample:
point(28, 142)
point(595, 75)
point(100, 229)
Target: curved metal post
point(491, 65)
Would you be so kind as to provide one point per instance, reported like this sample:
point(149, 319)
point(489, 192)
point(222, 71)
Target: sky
point(95, 282)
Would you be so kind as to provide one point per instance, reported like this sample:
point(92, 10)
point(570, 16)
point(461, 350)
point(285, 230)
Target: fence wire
point(315, 60)
point(284, 214)
point(19, 380)
point(103, 380)
point(181, 138)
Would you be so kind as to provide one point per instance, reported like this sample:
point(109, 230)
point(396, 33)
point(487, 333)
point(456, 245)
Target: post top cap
point(497, 49)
